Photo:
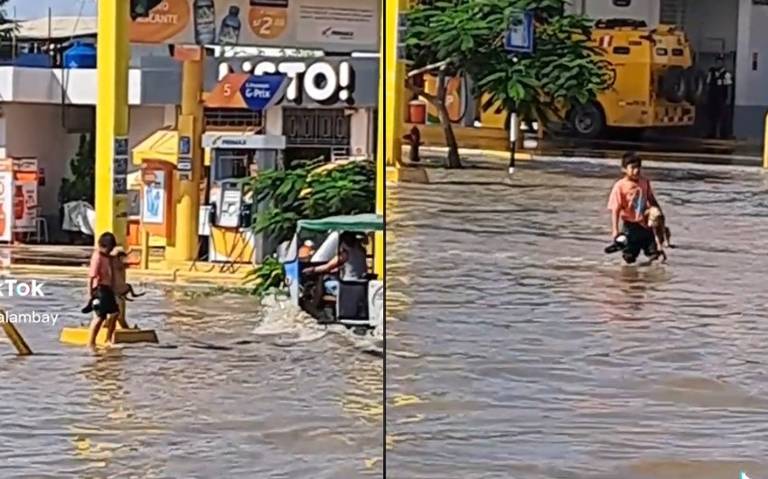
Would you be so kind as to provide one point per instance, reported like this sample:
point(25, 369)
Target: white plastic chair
point(41, 225)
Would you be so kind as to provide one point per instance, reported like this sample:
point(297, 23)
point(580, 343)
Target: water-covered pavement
point(517, 349)
point(233, 391)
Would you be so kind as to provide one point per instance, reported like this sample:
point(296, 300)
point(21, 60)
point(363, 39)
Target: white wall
point(753, 38)
point(32, 130)
point(647, 10)
point(40, 85)
point(711, 25)
point(37, 131)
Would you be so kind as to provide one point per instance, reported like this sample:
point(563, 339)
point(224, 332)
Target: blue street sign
point(519, 37)
point(262, 91)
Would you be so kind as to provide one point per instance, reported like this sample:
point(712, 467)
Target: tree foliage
point(311, 191)
point(80, 187)
point(467, 36)
point(8, 26)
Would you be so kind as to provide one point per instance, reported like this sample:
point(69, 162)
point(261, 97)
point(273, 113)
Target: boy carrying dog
point(630, 200)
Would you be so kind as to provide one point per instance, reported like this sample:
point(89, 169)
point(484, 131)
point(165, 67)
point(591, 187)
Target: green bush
point(311, 191)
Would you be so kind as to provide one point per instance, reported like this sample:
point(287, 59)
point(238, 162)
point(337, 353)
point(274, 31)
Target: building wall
point(751, 102)
point(34, 130)
point(647, 10)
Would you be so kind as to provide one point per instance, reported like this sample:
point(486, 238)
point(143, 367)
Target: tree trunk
point(445, 121)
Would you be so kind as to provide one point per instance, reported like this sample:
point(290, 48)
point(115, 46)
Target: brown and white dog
point(661, 233)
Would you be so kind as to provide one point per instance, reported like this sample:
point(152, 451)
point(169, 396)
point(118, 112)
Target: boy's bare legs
point(122, 323)
point(95, 328)
point(112, 320)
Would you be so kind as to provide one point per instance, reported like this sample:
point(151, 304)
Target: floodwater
point(517, 349)
point(232, 391)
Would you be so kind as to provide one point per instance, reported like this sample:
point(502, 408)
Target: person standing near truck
point(720, 84)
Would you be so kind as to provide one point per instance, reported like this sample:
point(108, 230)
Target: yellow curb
point(520, 155)
point(407, 174)
point(173, 275)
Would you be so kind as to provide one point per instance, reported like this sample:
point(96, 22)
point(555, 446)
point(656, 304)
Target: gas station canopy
point(331, 25)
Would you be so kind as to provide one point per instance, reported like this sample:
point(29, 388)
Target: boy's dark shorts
point(639, 238)
point(107, 301)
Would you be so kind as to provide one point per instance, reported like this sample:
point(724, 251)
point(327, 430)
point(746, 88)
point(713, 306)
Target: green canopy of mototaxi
point(362, 223)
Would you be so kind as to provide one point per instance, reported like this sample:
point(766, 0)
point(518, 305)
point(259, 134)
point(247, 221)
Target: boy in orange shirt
point(101, 289)
point(630, 199)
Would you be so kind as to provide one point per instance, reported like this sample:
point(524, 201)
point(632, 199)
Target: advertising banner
point(6, 201)
point(25, 195)
point(154, 199)
point(332, 25)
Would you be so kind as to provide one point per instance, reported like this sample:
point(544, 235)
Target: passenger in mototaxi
point(350, 264)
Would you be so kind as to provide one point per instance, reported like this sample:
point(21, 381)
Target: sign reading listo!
point(320, 82)
point(334, 25)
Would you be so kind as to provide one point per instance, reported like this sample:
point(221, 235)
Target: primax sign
point(321, 81)
point(262, 91)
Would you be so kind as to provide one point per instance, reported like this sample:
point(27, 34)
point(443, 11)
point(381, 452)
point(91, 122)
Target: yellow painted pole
point(395, 76)
point(395, 101)
point(765, 144)
point(380, 161)
point(16, 339)
point(111, 113)
point(184, 247)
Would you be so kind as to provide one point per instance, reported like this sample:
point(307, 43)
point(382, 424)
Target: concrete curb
point(161, 277)
point(579, 154)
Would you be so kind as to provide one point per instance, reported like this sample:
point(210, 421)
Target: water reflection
point(516, 348)
point(211, 400)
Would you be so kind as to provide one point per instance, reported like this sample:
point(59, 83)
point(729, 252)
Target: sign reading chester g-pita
point(331, 25)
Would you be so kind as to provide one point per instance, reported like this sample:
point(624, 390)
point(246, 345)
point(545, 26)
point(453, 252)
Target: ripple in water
point(525, 352)
point(214, 399)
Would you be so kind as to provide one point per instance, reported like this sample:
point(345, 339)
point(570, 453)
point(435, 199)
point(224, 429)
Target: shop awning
point(362, 223)
point(162, 145)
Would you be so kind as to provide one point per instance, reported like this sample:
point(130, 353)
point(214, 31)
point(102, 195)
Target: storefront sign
point(321, 82)
point(332, 25)
point(248, 142)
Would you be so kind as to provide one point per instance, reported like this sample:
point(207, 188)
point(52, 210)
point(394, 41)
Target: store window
point(316, 127)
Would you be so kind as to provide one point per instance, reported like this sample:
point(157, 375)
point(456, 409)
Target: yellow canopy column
point(380, 162)
point(113, 55)
point(395, 98)
point(185, 247)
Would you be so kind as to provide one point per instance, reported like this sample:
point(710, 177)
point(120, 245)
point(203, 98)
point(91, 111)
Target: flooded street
point(517, 349)
point(229, 392)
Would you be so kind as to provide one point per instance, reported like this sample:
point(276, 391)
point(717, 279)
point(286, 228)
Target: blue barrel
point(81, 55)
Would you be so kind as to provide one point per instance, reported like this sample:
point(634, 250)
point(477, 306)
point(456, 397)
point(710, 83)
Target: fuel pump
point(235, 159)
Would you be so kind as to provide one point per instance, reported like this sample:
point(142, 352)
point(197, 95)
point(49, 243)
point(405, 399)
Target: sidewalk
point(71, 262)
point(434, 157)
point(494, 142)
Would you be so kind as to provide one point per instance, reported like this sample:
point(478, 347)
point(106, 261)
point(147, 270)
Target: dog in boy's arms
point(661, 232)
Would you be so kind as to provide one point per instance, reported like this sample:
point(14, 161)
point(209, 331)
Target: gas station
point(175, 162)
point(187, 175)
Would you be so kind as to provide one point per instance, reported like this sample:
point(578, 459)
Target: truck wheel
point(696, 86)
point(588, 121)
point(673, 85)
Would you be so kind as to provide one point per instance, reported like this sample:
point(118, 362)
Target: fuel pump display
point(230, 205)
